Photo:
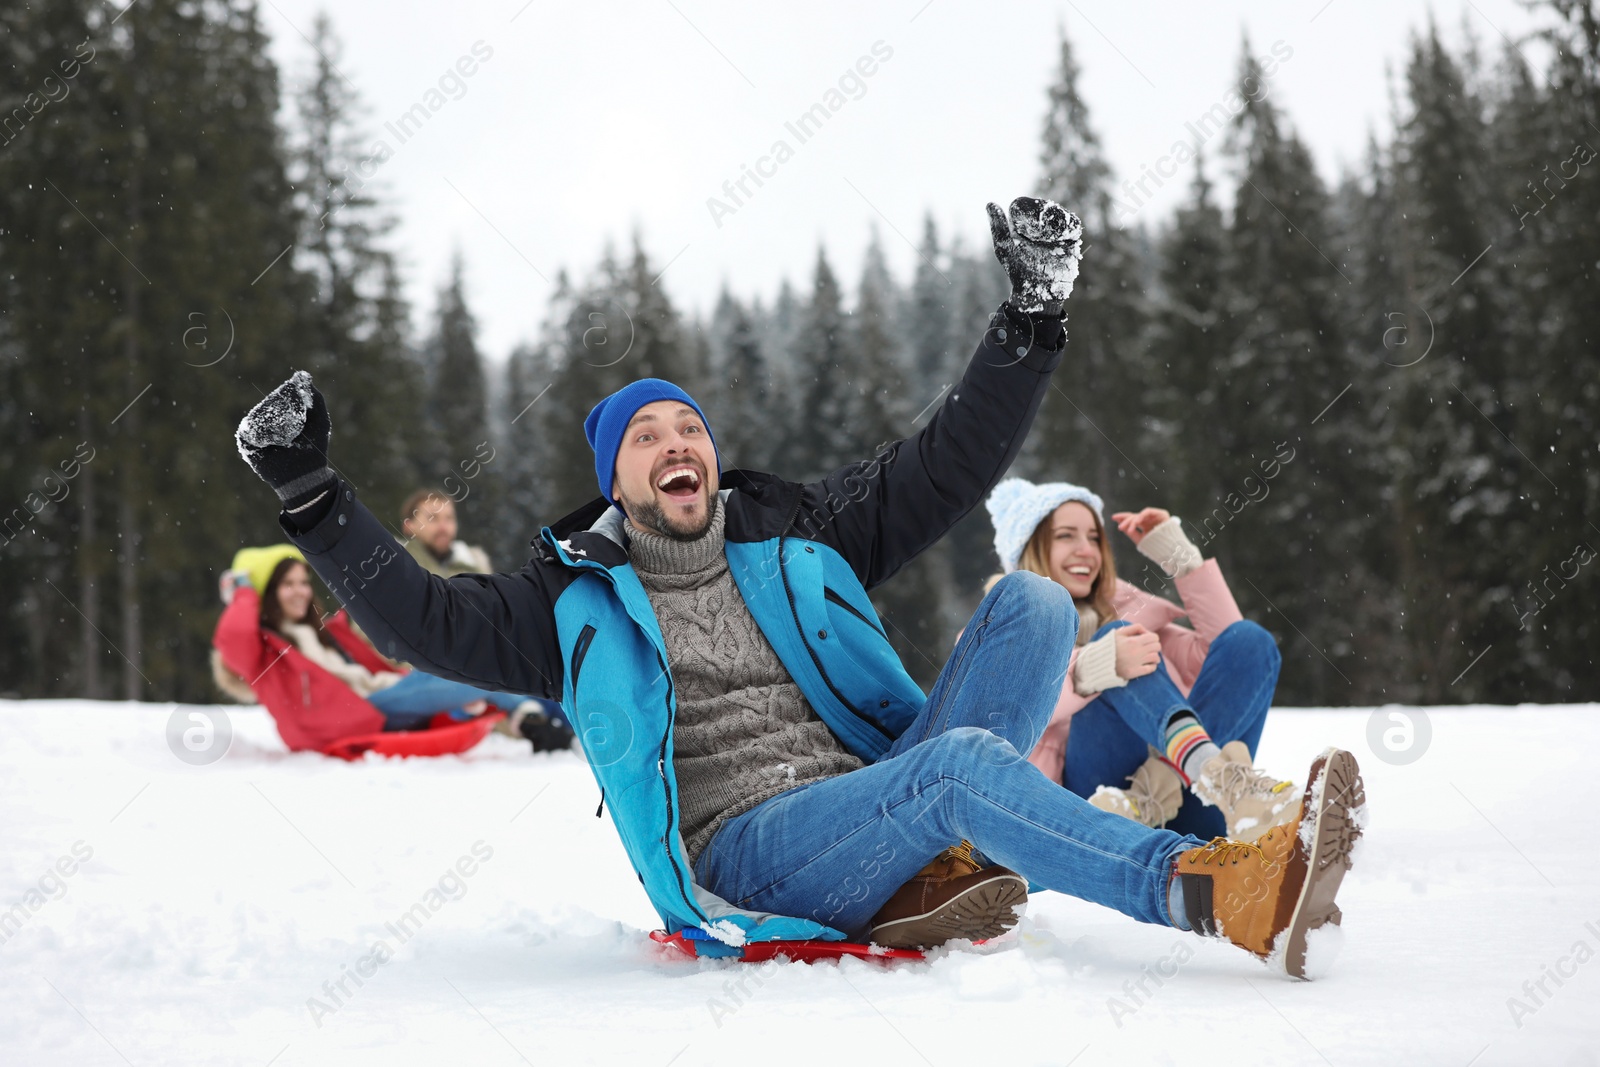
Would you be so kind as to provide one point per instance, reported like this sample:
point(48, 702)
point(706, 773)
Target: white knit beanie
point(1017, 507)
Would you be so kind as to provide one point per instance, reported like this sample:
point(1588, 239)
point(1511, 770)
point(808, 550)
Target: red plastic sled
point(445, 737)
point(797, 951)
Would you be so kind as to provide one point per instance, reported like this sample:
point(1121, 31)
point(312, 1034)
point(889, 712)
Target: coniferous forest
point(1376, 402)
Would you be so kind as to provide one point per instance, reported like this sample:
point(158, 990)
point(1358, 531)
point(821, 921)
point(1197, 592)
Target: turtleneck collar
point(1088, 620)
point(657, 554)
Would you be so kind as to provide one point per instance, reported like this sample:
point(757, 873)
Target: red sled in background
point(443, 737)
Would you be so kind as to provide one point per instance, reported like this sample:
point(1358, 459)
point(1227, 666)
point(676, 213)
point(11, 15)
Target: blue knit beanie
point(1017, 507)
point(609, 420)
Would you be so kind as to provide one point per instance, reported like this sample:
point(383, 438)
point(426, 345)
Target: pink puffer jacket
point(1210, 607)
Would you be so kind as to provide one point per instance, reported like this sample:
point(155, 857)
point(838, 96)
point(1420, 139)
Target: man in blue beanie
point(669, 490)
point(772, 770)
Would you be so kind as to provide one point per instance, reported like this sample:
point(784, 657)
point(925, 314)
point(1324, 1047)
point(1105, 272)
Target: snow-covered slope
point(475, 911)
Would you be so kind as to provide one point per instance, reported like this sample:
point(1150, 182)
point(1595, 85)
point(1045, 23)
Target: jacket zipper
point(666, 794)
point(580, 649)
point(846, 605)
point(661, 768)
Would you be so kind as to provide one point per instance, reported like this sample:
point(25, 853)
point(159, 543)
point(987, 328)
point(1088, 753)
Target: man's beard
point(649, 515)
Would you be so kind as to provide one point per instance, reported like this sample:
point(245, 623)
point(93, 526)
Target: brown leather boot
point(952, 897)
point(1268, 895)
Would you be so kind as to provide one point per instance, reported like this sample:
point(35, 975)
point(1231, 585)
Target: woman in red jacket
point(321, 681)
point(1156, 721)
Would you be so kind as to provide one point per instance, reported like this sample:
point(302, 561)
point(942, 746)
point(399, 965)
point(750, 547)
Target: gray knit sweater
point(744, 731)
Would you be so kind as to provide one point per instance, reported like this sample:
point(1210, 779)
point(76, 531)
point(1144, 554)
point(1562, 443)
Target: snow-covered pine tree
point(821, 440)
point(743, 390)
point(1559, 319)
point(531, 454)
point(910, 603)
point(619, 326)
point(1463, 476)
point(169, 143)
point(926, 314)
point(661, 345)
point(1386, 337)
point(458, 408)
point(1289, 364)
point(360, 356)
point(1189, 342)
point(1091, 428)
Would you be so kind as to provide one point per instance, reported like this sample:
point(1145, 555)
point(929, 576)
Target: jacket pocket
point(835, 598)
point(580, 650)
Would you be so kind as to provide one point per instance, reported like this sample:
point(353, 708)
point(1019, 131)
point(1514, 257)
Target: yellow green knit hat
point(259, 562)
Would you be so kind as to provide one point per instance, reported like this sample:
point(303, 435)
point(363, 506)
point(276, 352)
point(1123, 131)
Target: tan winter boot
point(1153, 796)
point(1268, 896)
point(1250, 801)
point(952, 897)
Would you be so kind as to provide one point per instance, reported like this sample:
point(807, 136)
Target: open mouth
point(1078, 571)
point(679, 483)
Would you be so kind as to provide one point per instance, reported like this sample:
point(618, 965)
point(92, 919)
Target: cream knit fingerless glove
point(1096, 668)
point(1170, 549)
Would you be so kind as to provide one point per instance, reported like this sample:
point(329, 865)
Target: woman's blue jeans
point(835, 850)
point(411, 702)
point(1230, 697)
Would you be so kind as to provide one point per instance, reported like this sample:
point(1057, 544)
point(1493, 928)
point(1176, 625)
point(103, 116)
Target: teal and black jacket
point(575, 624)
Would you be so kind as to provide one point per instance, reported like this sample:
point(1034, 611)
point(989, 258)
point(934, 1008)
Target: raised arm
point(880, 513)
point(490, 630)
point(238, 634)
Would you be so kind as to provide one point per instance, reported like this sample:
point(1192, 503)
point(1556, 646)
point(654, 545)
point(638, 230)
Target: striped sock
point(1188, 745)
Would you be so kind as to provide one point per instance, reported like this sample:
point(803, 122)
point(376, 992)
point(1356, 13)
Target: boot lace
point(957, 857)
point(1141, 795)
point(1235, 781)
point(1224, 851)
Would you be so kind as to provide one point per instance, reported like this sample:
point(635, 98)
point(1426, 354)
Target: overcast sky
point(586, 121)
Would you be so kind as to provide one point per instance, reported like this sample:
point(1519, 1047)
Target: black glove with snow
point(547, 733)
point(285, 440)
point(1039, 250)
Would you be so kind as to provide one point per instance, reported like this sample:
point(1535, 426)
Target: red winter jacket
point(311, 707)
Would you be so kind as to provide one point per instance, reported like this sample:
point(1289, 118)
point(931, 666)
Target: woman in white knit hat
point(1156, 721)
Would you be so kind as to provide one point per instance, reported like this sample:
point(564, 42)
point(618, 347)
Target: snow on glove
point(285, 440)
point(1039, 250)
point(548, 733)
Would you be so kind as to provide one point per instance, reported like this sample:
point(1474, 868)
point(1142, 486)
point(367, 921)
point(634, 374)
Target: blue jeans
point(1230, 697)
point(418, 697)
point(835, 850)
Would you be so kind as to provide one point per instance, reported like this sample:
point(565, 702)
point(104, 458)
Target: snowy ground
point(206, 906)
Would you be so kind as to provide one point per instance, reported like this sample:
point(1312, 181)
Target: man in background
point(428, 518)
